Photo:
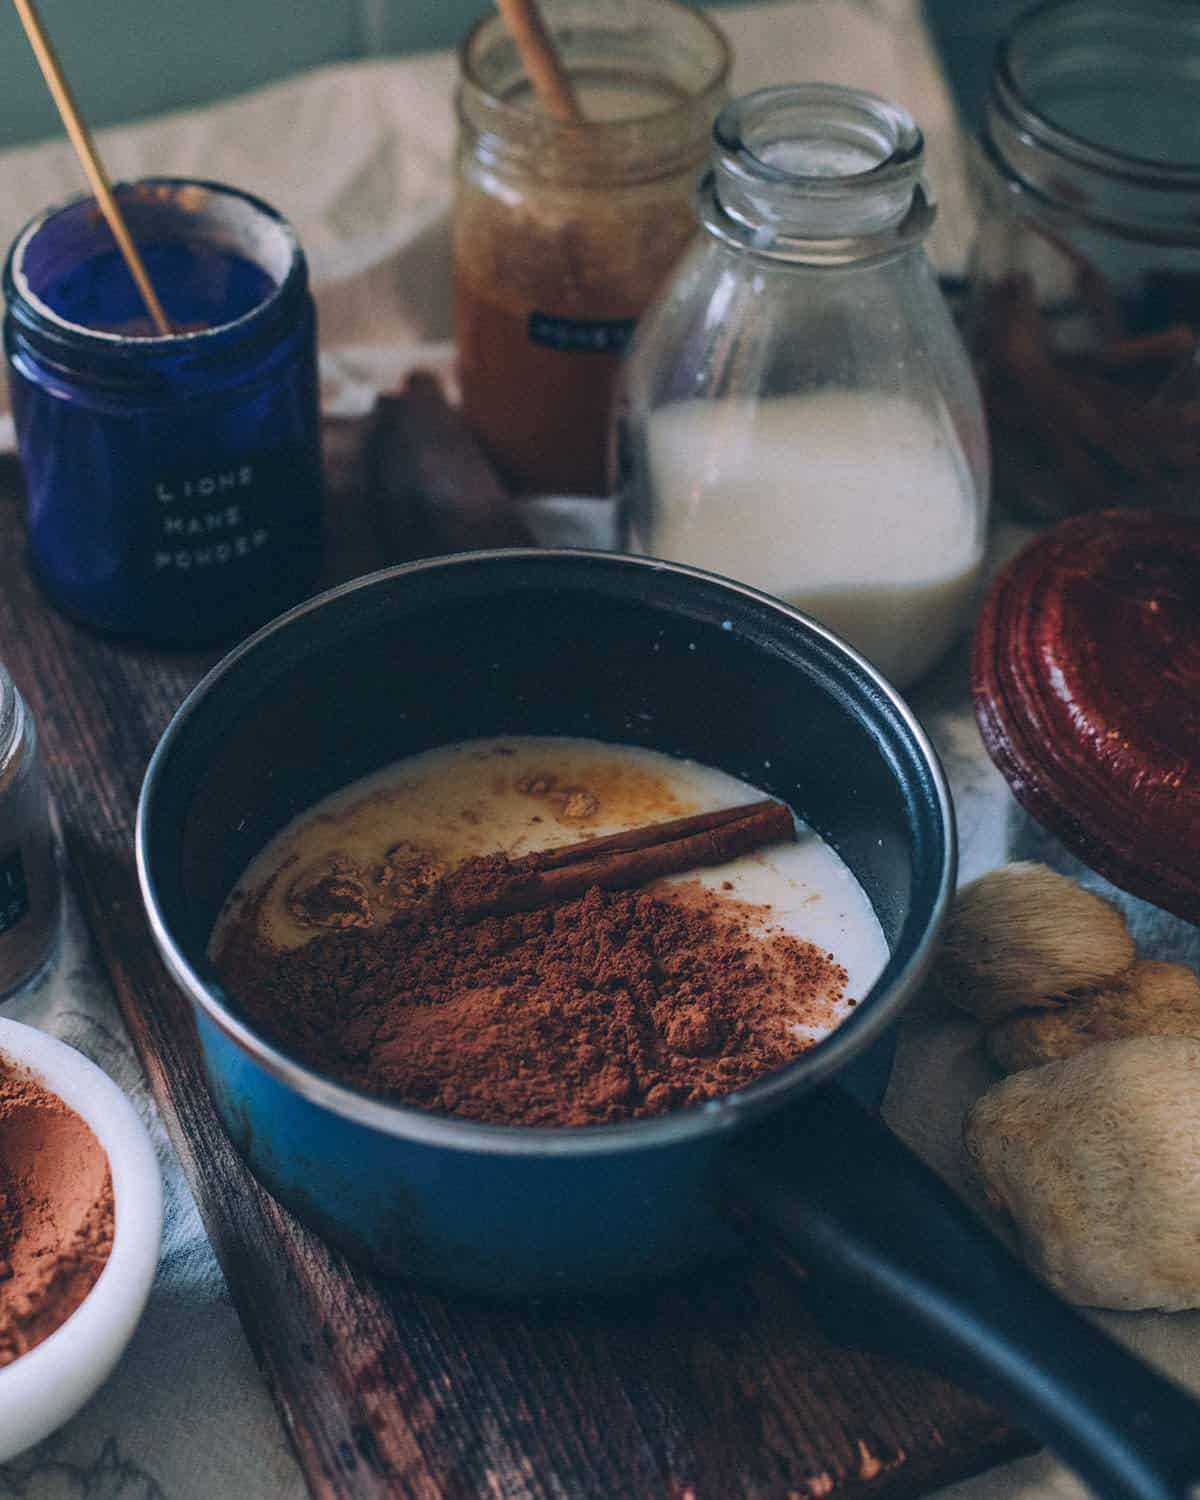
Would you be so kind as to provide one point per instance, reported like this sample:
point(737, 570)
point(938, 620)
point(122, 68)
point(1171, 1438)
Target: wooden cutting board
point(723, 1386)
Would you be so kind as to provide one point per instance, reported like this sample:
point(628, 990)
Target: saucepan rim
point(874, 1014)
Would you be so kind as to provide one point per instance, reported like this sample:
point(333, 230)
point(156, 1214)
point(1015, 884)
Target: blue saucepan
point(636, 652)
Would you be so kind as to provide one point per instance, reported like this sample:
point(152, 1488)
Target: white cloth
point(358, 157)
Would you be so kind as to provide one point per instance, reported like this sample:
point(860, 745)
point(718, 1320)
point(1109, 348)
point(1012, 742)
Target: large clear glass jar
point(798, 411)
point(564, 232)
point(1085, 298)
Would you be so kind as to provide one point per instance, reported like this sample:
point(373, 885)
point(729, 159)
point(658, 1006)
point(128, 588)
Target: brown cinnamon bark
point(1111, 425)
point(433, 489)
point(496, 886)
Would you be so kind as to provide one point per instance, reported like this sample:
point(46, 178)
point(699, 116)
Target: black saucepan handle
point(831, 1188)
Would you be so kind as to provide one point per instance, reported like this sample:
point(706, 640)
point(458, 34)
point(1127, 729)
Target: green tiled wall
point(128, 58)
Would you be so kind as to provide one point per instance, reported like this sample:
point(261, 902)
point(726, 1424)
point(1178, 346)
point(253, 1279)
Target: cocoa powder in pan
point(607, 1007)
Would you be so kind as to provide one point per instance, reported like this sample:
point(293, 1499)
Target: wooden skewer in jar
point(89, 157)
point(540, 59)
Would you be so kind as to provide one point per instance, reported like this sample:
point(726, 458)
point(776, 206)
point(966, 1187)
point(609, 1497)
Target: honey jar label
point(580, 335)
point(14, 891)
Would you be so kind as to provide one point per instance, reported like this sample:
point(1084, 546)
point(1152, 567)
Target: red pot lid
point(1085, 673)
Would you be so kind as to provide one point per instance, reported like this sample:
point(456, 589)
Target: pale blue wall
point(128, 58)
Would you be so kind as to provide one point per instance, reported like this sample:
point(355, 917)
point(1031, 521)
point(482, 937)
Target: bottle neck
point(815, 174)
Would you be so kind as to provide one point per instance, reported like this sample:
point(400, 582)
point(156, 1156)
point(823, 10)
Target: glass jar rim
point(166, 191)
point(843, 185)
point(1008, 93)
point(626, 148)
point(519, 117)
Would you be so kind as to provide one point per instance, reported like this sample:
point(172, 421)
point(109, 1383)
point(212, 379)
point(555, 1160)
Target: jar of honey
point(563, 232)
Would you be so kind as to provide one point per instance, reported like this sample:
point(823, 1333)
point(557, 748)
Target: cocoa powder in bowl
point(56, 1211)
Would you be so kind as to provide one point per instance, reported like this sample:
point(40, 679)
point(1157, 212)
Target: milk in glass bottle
point(798, 411)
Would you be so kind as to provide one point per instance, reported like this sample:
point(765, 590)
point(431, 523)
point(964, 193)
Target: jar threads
point(30, 881)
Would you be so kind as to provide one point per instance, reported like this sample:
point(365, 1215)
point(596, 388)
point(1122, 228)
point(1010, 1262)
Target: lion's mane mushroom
point(1097, 1160)
point(1151, 999)
point(1023, 936)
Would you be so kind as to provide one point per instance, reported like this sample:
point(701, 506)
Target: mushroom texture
point(1097, 1160)
point(1151, 999)
point(1023, 936)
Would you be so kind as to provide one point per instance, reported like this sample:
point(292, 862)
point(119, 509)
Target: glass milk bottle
point(797, 410)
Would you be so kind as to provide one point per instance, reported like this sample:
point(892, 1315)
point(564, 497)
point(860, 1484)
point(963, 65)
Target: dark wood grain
point(723, 1388)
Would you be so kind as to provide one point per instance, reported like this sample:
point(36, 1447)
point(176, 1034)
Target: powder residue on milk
point(518, 794)
point(855, 506)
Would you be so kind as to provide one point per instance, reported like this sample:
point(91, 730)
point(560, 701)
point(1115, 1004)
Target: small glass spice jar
point(564, 232)
point(797, 410)
point(1084, 309)
point(29, 873)
point(173, 489)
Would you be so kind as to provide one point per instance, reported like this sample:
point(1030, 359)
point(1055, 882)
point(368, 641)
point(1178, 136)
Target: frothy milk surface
point(518, 794)
point(851, 505)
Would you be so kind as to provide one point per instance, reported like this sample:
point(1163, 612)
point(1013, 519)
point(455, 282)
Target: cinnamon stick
point(496, 886)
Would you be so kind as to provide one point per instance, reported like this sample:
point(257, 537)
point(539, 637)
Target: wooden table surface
point(726, 1386)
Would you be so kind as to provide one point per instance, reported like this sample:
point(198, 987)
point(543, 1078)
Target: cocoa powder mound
point(56, 1211)
point(610, 1006)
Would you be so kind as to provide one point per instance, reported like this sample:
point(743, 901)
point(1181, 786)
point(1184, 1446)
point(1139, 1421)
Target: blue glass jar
point(173, 483)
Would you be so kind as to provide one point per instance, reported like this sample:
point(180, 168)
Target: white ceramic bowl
point(44, 1388)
